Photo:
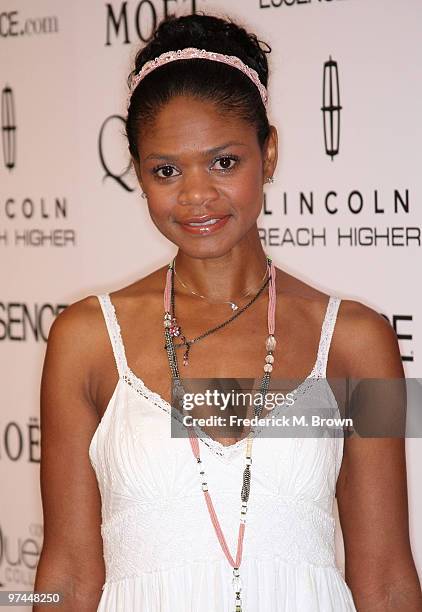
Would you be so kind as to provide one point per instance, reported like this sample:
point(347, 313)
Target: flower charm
point(174, 328)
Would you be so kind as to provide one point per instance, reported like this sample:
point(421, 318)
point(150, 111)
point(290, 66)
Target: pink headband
point(193, 53)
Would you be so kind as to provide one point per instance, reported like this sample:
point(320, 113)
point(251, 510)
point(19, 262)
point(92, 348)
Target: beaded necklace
point(270, 345)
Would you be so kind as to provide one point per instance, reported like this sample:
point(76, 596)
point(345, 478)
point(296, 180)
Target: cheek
point(246, 191)
point(159, 216)
point(157, 208)
point(162, 209)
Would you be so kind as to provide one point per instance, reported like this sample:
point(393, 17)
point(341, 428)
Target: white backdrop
point(72, 222)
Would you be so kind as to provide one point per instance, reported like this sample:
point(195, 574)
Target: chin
point(206, 251)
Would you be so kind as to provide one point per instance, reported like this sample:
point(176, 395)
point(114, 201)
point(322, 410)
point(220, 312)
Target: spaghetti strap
point(114, 332)
point(327, 330)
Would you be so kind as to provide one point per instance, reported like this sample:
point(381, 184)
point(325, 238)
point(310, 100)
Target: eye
point(167, 172)
point(226, 162)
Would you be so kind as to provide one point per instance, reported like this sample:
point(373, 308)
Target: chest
point(234, 350)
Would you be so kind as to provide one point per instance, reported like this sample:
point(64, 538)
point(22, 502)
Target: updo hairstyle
point(227, 87)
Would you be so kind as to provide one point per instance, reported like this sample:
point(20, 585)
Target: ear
point(270, 153)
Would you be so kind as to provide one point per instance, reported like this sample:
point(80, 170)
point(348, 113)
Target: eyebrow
point(207, 153)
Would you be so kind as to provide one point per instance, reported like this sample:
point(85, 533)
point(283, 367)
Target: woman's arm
point(72, 556)
point(372, 486)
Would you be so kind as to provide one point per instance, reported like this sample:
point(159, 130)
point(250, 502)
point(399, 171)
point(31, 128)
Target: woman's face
point(195, 162)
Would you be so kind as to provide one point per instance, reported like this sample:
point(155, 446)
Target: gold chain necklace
point(233, 305)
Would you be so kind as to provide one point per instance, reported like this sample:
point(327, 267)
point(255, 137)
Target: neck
point(226, 277)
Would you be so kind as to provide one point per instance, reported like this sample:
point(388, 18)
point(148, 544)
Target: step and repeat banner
point(344, 213)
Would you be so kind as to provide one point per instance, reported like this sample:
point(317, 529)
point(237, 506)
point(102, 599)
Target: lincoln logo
point(331, 108)
point(8, 127)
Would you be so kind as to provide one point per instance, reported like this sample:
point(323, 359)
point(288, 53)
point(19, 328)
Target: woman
point(122, 486)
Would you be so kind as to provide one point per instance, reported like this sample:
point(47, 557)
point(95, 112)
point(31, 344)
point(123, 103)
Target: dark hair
point(224, 85)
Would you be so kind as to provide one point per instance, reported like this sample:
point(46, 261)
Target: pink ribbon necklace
point(270, 345)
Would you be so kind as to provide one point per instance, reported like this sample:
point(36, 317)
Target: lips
point(204, 225)
point(202, 219)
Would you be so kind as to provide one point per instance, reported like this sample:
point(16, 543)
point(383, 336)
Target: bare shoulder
point(80, 327)
point(364, 342)
point(77, 341)
point(77, 327)
point(368, 342)
point(74, 328)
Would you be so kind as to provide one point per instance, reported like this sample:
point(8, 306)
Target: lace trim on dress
point(326, 335)
point(114, 332)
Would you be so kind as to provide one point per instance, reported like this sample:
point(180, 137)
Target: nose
point(196, 189)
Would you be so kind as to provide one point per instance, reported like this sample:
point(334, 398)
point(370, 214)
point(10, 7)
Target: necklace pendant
point(237, 585)
point(175, 331)
point(234, 306)
point(174, 328)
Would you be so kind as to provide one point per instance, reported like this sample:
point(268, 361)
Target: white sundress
point(160, 549)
